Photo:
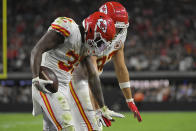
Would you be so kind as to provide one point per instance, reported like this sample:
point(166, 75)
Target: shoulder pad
point(62, 25)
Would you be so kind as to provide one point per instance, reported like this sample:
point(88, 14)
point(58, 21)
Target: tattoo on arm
point(94, 81)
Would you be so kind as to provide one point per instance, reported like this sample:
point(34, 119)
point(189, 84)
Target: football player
point(115, 52)
point(61, 49)
point(120, 17)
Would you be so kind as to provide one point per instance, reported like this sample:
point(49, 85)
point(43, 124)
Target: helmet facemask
point(97, 45)
point(121, 28)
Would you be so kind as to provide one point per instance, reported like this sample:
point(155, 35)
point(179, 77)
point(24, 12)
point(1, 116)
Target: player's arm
point(122, 71)
point(57, 32)
point(93, 100)
point(95, 88)
point(49, 41)
point(123, 79)
point(93, 79)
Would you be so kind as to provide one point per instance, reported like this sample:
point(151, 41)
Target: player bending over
point(115, 52)
point(61, 49)
point(120, 17)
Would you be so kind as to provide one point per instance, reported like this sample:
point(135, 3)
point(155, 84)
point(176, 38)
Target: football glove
point(115, 114)
point(134, 109)
point(103, 116)
point(40, 84)
point(105, 112)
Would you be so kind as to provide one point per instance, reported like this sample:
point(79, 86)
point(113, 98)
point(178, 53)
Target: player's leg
point(56, 110)
point(82, 110)
point(47, 124)
point(36, 106)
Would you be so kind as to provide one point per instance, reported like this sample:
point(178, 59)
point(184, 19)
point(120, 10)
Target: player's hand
point(104, 116)
point(134, 109)
point(102, 120)
point(40, 84)
point(105, 112)
point(115, 114)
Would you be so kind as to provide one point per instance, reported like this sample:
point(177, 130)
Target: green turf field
point(152, 121)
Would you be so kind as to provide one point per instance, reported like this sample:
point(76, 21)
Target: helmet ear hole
point(90, 30)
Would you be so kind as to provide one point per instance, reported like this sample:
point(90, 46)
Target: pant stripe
point(80, 108)
point(47, 104)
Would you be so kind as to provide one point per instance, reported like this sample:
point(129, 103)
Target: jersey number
point(101, 61)
point(70, 63)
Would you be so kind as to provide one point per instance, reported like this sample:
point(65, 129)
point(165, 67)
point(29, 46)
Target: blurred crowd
point(183, 92)
point(161, 35)
point(15, 94)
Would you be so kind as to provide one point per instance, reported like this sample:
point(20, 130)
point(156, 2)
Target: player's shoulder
point(63, 25)
point(64, 20)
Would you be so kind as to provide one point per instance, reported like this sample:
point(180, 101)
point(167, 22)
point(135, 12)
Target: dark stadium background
point(160, 52)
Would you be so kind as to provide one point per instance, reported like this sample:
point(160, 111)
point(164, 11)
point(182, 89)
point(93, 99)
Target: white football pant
point(55, 109)
point(81, 108)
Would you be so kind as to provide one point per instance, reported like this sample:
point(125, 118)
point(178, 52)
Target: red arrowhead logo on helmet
point(102, 24)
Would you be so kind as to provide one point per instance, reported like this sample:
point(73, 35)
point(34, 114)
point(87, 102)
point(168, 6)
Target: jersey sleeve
point(62, 25)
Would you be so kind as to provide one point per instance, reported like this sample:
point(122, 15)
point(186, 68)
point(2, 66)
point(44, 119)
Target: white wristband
point(130, 100)
point(125, 85)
